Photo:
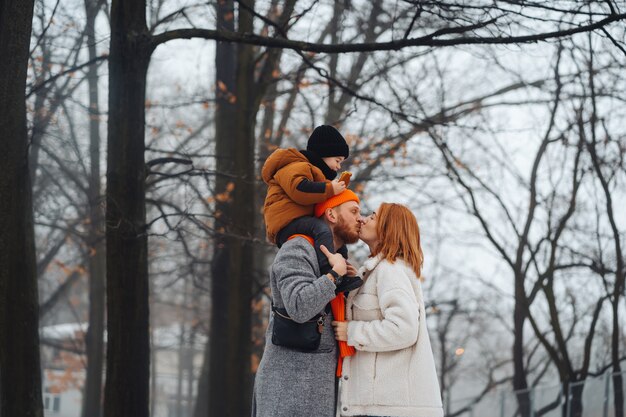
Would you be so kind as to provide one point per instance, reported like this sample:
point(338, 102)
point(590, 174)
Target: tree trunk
point(519, 371)
point(182, 351)
point(231, 270)
point(443, 359)
point(20, 370)
point(189, 367)
point(618, 382)
point(576, 405)
point(153, 383)
point(332, 112)
point(225, 119)
point(94, 343)
point(202, 397)
point(41, 114)
point(40, 122)
point(128, 339)
point(620, 270)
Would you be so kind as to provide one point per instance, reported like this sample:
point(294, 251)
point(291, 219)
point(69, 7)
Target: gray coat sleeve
point(303, 293)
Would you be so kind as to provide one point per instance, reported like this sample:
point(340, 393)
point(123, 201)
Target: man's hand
point(341, 330)
point(335, 260)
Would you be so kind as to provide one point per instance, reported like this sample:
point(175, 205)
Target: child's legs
point(315, 228)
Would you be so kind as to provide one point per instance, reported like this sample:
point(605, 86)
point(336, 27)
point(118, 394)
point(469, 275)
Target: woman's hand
point(336, 261)
point(351, 270)
point(341, 330)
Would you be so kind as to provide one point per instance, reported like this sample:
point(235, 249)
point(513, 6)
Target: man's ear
point(330, 215)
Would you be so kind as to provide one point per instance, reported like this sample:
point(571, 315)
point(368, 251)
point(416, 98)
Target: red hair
point(398, 236)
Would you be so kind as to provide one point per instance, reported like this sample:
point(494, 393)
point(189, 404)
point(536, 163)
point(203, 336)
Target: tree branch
point(429, 40)
point(47, 81)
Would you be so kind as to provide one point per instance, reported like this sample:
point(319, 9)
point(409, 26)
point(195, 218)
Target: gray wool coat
point(290, 383)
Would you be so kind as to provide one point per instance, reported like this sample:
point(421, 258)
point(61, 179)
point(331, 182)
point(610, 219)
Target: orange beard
point(345, 232)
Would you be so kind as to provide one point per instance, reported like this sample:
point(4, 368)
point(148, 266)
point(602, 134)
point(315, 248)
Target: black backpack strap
point(283, 312)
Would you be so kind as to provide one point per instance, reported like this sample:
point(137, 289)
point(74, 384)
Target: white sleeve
point(399, 326)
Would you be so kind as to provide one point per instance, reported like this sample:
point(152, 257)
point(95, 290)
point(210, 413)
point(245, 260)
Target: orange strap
point(308, 238)
point(338, 307)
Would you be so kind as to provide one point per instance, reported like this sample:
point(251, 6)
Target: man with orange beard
point(300, 381)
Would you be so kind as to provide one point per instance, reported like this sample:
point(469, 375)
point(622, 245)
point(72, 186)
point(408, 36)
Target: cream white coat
point(393, 371)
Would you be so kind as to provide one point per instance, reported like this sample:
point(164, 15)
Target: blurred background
point(499, 123)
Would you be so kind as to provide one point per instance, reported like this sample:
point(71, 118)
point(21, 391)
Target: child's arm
point(297, 181)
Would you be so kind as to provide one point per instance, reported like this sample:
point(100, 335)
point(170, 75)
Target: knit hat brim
point(329, 150)
point(336, 200)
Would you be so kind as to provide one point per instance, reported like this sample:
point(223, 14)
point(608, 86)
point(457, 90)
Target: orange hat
point(336, 200)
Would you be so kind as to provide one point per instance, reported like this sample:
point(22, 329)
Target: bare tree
point(131, 46)
point(20, 383)
point(94, 339)
point(128, 351)
point(605, 173)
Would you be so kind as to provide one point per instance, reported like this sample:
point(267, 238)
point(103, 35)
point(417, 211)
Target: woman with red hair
point(393, 371)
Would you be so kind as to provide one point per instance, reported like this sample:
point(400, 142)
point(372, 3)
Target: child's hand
point(338, 186)
point(336, 261)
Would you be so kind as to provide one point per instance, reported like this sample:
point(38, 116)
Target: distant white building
point(174, 389)
point(63, 371)
point(66, 403)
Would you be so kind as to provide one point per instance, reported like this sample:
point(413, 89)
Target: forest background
point(131, 198)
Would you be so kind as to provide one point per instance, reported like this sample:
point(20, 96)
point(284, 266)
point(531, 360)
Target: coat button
point(345, 377)
point(345, 409)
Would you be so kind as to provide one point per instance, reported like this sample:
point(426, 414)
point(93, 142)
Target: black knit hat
point(326, 141)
